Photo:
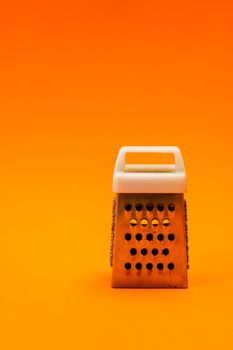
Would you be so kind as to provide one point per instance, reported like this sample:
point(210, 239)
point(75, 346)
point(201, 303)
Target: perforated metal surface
point(149, 241)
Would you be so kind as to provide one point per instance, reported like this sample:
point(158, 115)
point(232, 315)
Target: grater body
point(149, 241)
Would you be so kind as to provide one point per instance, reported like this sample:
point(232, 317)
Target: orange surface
point(79, 80)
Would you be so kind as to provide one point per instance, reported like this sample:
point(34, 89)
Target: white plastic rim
point(151, 178)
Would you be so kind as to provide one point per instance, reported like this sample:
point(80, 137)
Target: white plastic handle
point(120, 163)
point(150, 178)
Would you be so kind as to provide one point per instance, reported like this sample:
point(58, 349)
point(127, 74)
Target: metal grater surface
point(149, 241)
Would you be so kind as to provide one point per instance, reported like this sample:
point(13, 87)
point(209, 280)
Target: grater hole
point(149, 207)
point(155, 251)
point(149, 236)
point(133, 251)
point(138, 266)
point(144, 222)
point(159, 266)
point(144, 251)
point(160, 237)
point(166, 222)
point(138, 206)
point(155, 222)
point(128, 207)
point(138, 236)
point(171, 207)
point(128, 266)
point(160, 207)
point(165, 251)
point(171, 236)
point(149, 266)
point(133, 222)
point(128, 236)
point(170, 266)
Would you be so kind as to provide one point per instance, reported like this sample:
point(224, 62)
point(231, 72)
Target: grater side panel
point(149, 223)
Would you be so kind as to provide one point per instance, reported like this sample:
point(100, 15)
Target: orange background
point(79, 79)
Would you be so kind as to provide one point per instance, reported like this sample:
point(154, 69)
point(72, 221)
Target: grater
point(149, 230)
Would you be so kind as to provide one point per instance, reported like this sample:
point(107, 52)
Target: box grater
point(149, 230)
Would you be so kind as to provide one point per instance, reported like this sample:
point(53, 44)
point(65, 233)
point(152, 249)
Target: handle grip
point(120, 162)
point(150, 178)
